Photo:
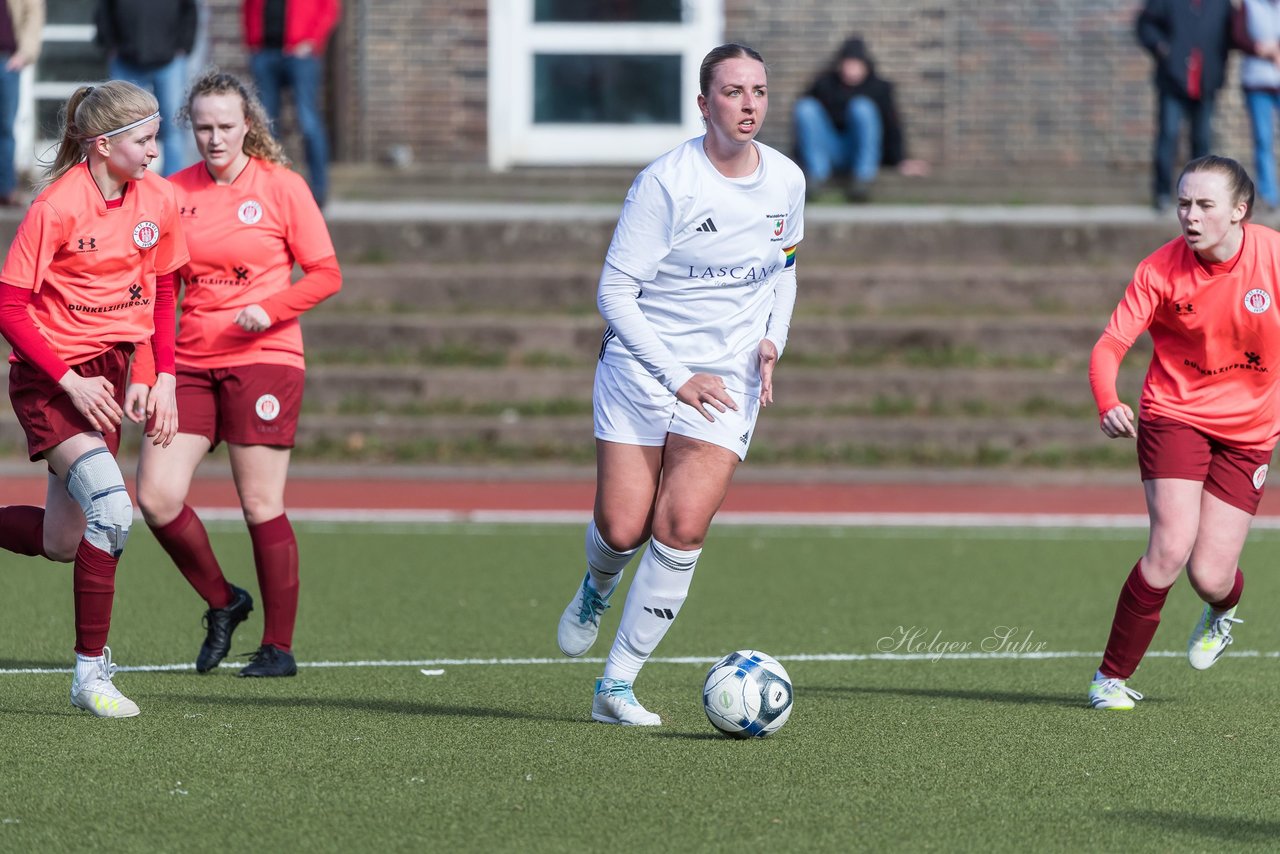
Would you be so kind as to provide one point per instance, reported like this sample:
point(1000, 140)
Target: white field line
point(737, 518)
point(420, 663)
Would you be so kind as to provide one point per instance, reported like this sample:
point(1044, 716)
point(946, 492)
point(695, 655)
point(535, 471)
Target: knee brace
point(95, 482)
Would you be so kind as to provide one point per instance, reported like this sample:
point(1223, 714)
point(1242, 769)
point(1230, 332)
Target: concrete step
point(528, 234)
point(489, 340)
point(849, 289)
point(406, 390)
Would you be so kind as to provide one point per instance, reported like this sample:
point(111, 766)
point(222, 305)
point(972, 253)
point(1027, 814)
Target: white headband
point(128, 127)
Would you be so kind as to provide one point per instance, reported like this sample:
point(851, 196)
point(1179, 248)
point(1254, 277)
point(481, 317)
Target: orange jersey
point(1216, 336)
point(245, 237)
point(93, 271)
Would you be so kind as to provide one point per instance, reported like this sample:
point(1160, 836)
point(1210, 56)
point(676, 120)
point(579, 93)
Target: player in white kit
point(697, 289)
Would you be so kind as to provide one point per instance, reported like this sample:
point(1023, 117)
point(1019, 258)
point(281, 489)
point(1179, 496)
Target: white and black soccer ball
point(747, 694)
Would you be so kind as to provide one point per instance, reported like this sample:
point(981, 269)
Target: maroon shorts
point(244, 405)
point(46, 413)
point(1169, 448)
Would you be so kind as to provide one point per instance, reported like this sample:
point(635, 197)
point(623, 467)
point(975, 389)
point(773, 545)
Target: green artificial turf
point(897, 753)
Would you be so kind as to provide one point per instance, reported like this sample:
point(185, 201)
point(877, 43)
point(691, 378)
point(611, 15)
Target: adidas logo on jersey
point(663, 613)
point(708, 227)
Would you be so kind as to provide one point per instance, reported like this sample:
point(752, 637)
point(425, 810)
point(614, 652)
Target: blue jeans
point(823, 149)
point(1263, 107)
point(8, 115)
point(169, 82)
point(1171, 109)
point(273, 72)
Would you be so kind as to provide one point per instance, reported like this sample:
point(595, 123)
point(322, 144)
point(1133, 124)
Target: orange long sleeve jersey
point(1216, 331)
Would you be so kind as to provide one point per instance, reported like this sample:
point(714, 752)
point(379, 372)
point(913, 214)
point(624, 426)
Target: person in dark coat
point(847, 121)
point(1189, 41)
point(147, 43)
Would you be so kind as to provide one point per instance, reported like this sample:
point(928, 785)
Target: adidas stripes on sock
point(604, 563)
point(659, 589)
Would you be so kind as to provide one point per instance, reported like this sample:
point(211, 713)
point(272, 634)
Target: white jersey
point(707, 250)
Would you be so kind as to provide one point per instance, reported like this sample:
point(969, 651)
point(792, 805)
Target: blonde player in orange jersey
point(90, 274)
point(239, 361)
point(1209, 413)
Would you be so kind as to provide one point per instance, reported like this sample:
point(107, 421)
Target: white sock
point(604, 563)
point(659, 589)
point(86, 667)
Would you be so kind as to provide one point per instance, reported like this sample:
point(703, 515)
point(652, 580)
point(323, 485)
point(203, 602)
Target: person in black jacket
point(1189, 41)
point(147, 42)
point(847, 121)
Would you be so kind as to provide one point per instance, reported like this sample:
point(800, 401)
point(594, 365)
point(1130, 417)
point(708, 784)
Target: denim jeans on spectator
point(273, 72)
point(1171, 110)
point(8, 115)
point(169, 82)
point(1263, 107)
point(823, 149)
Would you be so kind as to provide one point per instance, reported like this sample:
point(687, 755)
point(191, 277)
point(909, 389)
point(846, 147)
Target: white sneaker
point(97, 695)
point(1112, 694)
point(616, 703)
point(580, 622)
point(1210, 638)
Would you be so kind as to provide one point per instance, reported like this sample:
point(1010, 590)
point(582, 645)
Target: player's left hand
point(135, 402)
point(768, 360)
point(162, 405)
point(253, 318)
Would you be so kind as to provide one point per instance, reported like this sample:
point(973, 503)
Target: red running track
point(306, 492)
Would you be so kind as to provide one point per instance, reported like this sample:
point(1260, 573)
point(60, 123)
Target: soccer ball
point(747, 694)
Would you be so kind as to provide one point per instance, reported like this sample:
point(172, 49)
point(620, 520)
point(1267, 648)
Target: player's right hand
point(706, 390)
point(1117, 422)
point(94, 398)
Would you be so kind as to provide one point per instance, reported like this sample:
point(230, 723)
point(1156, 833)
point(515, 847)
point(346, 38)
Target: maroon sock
point(1137, 618)
point(22, 529)
point(94, 583)
point(187, 542)
point(1233, 598)
point(275, 554)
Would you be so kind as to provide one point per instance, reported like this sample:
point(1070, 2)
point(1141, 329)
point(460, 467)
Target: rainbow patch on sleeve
point(790, 252)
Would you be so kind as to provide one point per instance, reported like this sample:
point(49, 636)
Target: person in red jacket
point(286, 41)
point(248, 218)
point(89, 275)
point(1210, 413)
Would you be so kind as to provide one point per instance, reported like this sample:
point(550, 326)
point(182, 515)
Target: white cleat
point(1111, 694)
point(580, 622)
point(615, 703)
point(98, 696)
point(1211, 637)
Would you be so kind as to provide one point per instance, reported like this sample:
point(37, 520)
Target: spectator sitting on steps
point(847, 121)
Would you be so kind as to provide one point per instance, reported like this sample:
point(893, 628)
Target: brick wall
point(1053, 82)
point(1059, 83)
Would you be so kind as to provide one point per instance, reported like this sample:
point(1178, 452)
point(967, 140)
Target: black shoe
point(219, 624)
point(858, 192)
point(270, 661)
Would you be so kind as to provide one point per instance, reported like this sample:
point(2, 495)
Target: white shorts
point(635, 409)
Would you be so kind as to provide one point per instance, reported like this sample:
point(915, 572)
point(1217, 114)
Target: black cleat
point(271, 661)
point(220, 623)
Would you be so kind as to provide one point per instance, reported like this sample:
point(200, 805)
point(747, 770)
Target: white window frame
point(30, 147)
point(514, 38)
